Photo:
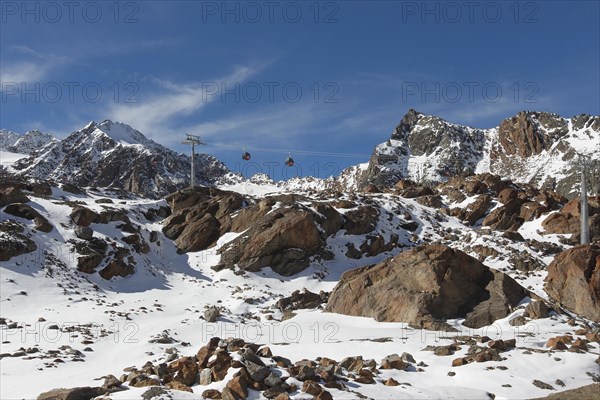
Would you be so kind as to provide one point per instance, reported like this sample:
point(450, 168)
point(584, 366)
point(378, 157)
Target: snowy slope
point(107, 326)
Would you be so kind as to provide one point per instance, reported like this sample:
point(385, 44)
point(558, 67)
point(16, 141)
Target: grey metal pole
point(193, 171)
point(585, 227)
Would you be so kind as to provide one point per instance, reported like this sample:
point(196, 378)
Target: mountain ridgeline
point(531, 147)
point(114, 155)
point(537, 148)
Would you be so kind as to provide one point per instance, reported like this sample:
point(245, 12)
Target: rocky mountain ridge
point(29, 143)
point(114, 155)
point(531, 147)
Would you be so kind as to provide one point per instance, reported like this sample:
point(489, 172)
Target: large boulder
point(27, 212)
point(200, 217)
point(22, 211)
point(283, 240)
point(567, 220)
point(12, 194)
point(425, 286)
point(83, 216)
point(78, 393)
point(475, 210)
point(506, 217)
point(574, 280)
point(361, 220)
point(14, 244)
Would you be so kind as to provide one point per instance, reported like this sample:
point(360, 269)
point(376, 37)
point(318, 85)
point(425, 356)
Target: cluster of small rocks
point(257, 369)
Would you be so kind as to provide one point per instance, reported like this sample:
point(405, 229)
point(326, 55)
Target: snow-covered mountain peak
point(530, 147)
point(28, 143)
point(8, 138)
point(113, 154)
point(118, 132)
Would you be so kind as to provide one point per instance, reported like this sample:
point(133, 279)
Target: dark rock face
point(567, 220)
point(424, 286)
point(12, 194)
point(574, 280)
point(474, 211)
point(361, 220)
point(121, 264)
point(521, 135)
point(284, 241)
point(200, 217)
point(78, 393)
point(282, 231)
point(82, 216)
point(285, 231)
point(27, 212)
point(12, 241)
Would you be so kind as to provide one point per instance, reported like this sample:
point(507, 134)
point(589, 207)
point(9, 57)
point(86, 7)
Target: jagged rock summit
point(531, 147)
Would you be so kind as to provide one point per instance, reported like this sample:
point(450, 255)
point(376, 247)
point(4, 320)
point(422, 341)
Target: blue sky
point(299, 76)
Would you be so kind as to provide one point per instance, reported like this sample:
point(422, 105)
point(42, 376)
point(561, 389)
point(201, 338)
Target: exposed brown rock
point(117, 268)
point(424, 286)
point(536, 310)
point(361, 220)
point(83, 216)
point(14, 244)
point(12, 194)
point(78, 393)
point(284, 242)
point(186, 370)
point(574, 280)
point(520, 135)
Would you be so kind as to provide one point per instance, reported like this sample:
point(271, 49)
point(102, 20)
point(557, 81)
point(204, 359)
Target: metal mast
point(585, 227)
point(193, 140)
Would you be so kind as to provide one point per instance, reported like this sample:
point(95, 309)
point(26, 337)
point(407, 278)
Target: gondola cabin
point(289, 162)
point(246, 156)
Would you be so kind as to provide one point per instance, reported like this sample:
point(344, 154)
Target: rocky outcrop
point(474, 211)
point(122, 264)
point(284, 241)
point(78, 393)
point(12, 194)
point(567, 220)
point(83, 216)
point(13, 242)
point(574, 280)
point(281, 231)
point(200, 216)
point(521, 135)
point(424, 286)
point(27, 212)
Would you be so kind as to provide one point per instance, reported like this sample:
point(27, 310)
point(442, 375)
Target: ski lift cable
point(305, 152)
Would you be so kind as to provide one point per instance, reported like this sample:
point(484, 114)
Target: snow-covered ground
point(7, 158)
point(108, 325)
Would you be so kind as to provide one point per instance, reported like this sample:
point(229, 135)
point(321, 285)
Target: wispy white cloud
point(25, 64)
point(156, 113)
point(19, 72)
